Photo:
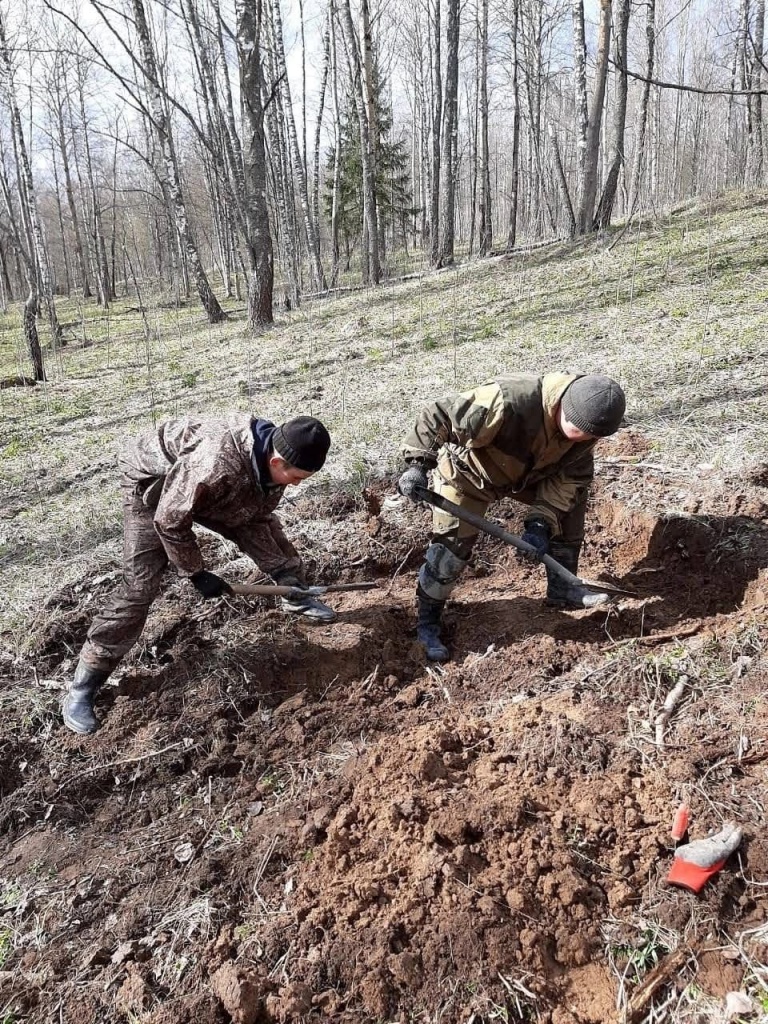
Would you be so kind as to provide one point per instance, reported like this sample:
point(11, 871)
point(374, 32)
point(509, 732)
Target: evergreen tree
point(393, 185)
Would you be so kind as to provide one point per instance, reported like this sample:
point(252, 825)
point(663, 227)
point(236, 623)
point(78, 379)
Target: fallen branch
point(673, 698)
point(637, 1007)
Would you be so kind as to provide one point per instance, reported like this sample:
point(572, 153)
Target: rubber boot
point(77, 706)
point(561, 593)
point(428, 627)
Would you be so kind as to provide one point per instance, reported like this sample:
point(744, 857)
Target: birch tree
point(450, 131)
point(258, 239)
point(35, 253)
point(616, 155)
point(486, 226)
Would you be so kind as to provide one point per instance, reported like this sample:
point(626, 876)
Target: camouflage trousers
point(118, 626)
point(459, 537)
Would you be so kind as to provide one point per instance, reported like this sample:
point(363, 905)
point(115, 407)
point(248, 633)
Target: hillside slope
point(279, 823)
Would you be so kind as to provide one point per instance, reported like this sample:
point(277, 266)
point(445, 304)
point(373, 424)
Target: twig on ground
point(673, 698)
point(637, 1006)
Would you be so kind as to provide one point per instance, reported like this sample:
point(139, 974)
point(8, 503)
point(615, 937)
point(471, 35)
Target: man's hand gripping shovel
point(424, 494)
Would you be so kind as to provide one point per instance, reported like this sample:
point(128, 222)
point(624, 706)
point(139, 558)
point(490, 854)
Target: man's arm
point(560, 492)
point(266, 543)
point(470, 419)
point(186, 493)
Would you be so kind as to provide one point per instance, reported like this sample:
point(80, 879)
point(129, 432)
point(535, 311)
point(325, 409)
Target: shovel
point(295, 593)
point(423, 494)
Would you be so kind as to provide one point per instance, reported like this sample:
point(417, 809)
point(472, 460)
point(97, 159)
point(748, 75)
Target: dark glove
point(209, 584)
point(415, 476)
point(537, 534)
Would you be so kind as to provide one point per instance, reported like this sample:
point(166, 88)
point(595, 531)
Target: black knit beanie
point(595, 404)
point(303, 443)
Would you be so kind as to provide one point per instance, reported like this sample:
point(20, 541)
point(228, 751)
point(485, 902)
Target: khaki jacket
point(198, 470)
point(502, 437)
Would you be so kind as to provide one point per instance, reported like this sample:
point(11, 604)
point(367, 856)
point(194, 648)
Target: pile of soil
point(280, 823)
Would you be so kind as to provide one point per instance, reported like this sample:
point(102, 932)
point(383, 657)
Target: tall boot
point(561, 593)
point(77, 707)
point(428, 627)
point(437, 578)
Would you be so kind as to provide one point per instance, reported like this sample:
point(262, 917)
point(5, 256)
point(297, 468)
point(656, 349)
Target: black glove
point(414, 476)
point(209, 584)
point(537, 534)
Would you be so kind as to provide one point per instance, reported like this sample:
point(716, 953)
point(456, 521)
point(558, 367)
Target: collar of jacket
point(553, 387)
point(262, 432)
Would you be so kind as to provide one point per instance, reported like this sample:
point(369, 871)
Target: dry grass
point(676, 310)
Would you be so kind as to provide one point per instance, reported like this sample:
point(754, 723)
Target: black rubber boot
point(77, 707)
point(428, 627)
point(561, 593)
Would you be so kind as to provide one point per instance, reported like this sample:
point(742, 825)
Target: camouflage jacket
point(199, 470)
point(502, 437)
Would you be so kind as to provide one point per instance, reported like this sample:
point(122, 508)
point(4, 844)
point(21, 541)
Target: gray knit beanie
point(594, 404)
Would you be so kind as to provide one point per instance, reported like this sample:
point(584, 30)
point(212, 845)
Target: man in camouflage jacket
point(524, 436)
point(224, 474)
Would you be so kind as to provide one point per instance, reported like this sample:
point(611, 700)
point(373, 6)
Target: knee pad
point(441, 569)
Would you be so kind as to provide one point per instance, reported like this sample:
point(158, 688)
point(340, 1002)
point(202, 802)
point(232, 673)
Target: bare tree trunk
point(562, 181)
point(310, 227)
point(162, 129)
point(336, 149)
point(584, 220)
point(515, 169)
point(28, 202)
point(371, 264)
point(279, 167)
point(474, 134)
point(24, 249)
point(580, 96)
point(103, 289)
point(616, 159)
point(260, 285)
point(450, 138)
point(318, 124)
point(437, 117)
point(677, 148)
point(729, 128)
point(5, 279)
point(756, 153)
point(650, 53)
point(60, 218)
point(486, 223)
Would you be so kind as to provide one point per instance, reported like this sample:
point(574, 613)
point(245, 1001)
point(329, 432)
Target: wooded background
point(264, 150)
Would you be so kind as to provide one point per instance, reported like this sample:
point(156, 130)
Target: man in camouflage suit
point(524, 436)
point(227, 475)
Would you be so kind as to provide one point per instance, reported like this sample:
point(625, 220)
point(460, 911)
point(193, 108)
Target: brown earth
point(278, 822)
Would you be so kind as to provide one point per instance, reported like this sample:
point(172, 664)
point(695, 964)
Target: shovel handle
point(274, 590)
point(424, 494)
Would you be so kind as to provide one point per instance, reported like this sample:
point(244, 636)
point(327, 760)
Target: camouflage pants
point(460, 537)
point(119, 624)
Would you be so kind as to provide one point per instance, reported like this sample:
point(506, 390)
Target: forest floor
point(279, 822)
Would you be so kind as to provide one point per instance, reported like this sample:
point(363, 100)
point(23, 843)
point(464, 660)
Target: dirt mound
point(279, 823)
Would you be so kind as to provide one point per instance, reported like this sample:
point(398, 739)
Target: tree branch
point(687, 88)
